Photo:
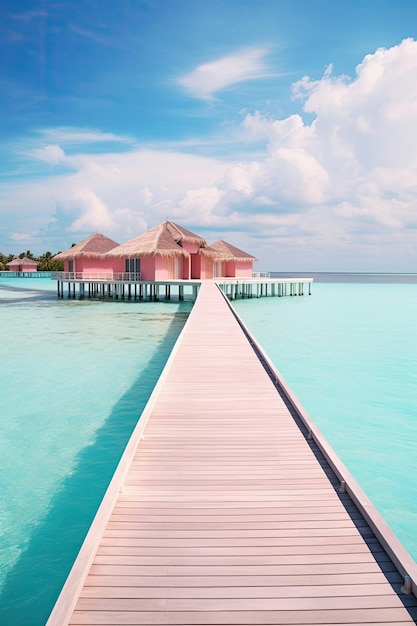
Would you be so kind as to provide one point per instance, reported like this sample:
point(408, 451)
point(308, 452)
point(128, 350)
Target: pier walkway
point(222, 510)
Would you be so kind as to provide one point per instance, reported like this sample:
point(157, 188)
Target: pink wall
point(206, 267)
point(192, 248)
point(197, 266)
point(147, 268)
point(186, 268)
point(100, 265)
point(96, 265)
point(229, 268)
point(196, 263)
point(238, 269)
point(24, 267)
point(163, 268)
point(218, 268)
point(243, 269)
point(169, 268)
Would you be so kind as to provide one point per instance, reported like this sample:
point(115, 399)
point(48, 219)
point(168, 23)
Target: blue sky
point(288, 128)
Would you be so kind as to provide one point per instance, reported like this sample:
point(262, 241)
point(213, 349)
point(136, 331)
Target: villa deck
point(224, 510)
point(130, 286)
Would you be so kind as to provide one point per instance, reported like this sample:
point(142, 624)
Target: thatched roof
point(24, 261)
point(227, 252)
point(94, 247)
point(181, 234)
point(209, 252)
point(164, 239)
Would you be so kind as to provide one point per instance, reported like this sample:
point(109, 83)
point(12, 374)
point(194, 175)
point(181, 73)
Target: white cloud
point(147, 195)
point(24, 237)
point(208, 78)
point(69, 135)
point(51, 154)
point(119, 194)
point(240, 178)
point(373, 117)
point(94, 215)
point(201, 203)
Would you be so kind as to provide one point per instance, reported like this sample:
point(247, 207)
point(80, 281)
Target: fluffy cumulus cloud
point(94, 214)
point(339, 181)
point(118, 194)
point(349, 177)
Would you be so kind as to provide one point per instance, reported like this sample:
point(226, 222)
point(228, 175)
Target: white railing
point(126, 276)
point(93, 276)
point(13, 274)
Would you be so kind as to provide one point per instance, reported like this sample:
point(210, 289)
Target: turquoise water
point(75, 375)
point(74, 378)
point(349, 352)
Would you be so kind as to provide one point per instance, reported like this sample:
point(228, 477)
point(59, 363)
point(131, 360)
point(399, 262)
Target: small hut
point(165, 252)
point(232, 262)
point(23, 265)
point(89, 257)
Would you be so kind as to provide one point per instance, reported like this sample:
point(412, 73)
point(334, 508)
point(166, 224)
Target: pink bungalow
point(166, 252)
point(23, 265)
point(88, 259)
point(232, 262)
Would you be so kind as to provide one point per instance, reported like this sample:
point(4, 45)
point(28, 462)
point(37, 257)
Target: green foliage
point(4, 259)
point(45, 261)
point(27, 254)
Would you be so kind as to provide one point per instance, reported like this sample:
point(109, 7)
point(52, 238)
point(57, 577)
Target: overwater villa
point(231, 262)
point(166, 252)
point(167, 258)
point(89, 257)
point(22, 265)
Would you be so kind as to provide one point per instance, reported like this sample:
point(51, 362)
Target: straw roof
point(209, 252)
point(94, 247)
point(24, 261)
point(227, 252)
point(181, 234)
point(165, 239)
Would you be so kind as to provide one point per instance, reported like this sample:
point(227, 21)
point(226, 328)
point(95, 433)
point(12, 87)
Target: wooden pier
point(228, 507)
point(125, 287)
point(259, 287)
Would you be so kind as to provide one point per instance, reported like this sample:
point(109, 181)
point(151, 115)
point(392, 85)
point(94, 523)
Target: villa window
point(132, 266)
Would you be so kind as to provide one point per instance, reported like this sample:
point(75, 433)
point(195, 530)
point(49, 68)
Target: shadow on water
point(33, 585)
point(35, 296)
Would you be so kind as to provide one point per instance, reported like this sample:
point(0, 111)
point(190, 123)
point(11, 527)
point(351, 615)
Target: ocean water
point(349, 353)
point(74, 378)
point(75, 375)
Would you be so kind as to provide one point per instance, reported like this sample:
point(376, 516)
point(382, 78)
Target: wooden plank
point(324, 604)
point(259, 551)
point(334, 581)
point(386, 617)
point(212, 591)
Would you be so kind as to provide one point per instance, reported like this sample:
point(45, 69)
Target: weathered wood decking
point(226, 516)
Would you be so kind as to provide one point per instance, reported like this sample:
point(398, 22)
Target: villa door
point(177, 267)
